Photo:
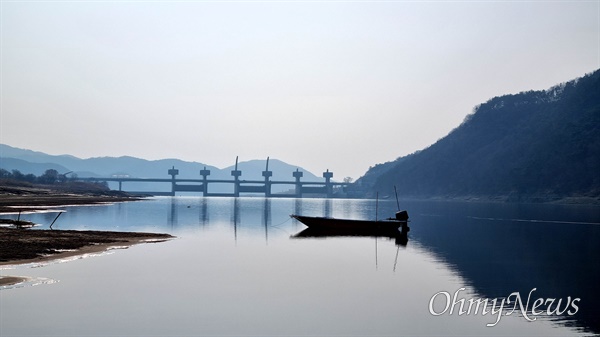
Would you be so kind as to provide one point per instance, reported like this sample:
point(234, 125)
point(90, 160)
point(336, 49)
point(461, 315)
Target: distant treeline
point(531, 146)
point(50, 177)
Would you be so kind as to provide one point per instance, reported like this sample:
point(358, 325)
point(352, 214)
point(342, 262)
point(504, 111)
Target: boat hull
point(349, 224)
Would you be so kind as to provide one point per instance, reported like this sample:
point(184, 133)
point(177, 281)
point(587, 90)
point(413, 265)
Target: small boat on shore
point(16, 223)
point(400, 220)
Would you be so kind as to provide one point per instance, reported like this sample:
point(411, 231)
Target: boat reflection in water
point(400, 237)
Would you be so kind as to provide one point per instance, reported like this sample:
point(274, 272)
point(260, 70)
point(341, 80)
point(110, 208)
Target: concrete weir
point(301, 188)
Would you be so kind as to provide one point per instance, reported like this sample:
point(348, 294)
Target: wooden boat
point(401, 219)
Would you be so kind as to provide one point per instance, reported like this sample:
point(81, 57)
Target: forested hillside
point(531, 146)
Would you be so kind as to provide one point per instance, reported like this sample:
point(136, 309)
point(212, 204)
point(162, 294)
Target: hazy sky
point(320, 84)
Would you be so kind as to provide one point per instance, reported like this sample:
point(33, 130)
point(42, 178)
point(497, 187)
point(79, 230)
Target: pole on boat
point(376, 204)
point(397, 202)
point(376, 216)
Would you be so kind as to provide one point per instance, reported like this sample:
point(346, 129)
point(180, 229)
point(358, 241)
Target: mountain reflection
point(498, 249)
point(506, 253)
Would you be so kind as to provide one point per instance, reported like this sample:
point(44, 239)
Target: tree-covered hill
point(532, 146)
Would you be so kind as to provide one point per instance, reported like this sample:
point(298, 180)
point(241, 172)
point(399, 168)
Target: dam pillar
point(267, 174)
point(236, 176)
point(173, 172)
point(204, 173)
point(297, 174)
point(328, 187)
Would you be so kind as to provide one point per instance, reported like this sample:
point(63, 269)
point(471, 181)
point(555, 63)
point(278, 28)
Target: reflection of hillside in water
point(498, 257)
point(491, 246)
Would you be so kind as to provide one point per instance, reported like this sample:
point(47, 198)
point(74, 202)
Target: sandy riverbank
point(10, 280)
point(20, 246)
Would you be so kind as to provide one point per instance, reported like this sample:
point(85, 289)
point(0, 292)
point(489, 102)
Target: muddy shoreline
point(17, 245)
point(21, 246)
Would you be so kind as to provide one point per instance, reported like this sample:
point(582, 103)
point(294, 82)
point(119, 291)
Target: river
point(238, 267)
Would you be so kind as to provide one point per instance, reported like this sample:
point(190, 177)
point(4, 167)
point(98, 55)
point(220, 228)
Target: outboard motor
point(402, 216)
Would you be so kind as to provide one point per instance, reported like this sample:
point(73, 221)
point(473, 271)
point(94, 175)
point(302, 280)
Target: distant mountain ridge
point(28, 161)
point(530, 146)
point(26, 167)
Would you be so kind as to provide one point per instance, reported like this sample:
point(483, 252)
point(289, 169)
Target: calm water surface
point(237, 268)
